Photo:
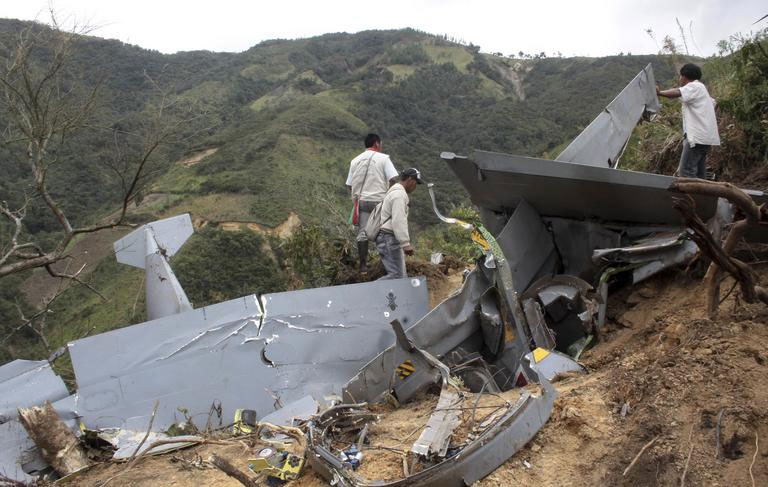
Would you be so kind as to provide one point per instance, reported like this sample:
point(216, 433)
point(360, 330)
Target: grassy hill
point(282, 120)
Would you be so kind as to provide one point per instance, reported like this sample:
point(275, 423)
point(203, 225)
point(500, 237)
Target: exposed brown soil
point(88, 251)
point(197, 157)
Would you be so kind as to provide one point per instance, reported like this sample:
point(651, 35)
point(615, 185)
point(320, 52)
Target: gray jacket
point(394, 214)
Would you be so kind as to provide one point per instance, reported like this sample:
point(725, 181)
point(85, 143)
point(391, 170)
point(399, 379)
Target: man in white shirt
point(699, 122)
point(370, 176)
point(393, 241)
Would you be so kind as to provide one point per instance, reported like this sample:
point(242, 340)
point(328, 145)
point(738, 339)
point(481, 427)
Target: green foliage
point(748, 97)
point(215, 265)
point(314, 255)
point(450, 239)
point(408, 54)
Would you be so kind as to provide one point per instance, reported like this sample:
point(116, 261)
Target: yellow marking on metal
point(540, 354)
point(405, 369)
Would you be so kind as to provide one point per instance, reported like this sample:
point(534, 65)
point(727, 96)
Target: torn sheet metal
point(142, 345)
point(542, 336)
point(203, 365)
point(498, 182)
point(436, 436)
point(652, 254)
point(149, 247)
point(16, 449)
point(28, 383)
point(301, 409)
point(481, 456)
point(603, 141)
point(19, 456)
point(551, 363)
point(130, 440)
point(569, 306)
point(444, 328)
point(528, 246)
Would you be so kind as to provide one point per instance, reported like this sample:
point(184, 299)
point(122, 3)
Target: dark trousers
point(693, 161)
point(364, 212)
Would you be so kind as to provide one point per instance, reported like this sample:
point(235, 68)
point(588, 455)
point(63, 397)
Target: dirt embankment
point(672, 372)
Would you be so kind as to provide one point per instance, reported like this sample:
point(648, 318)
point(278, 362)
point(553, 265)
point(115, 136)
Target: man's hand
point(408, 250)
point(658, 90)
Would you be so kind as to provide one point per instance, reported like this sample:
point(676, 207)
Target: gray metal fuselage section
point(259, 352)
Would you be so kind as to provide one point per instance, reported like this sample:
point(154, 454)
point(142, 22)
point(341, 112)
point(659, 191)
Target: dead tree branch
point(45, 105)
point(232, 471)
point(721, 256)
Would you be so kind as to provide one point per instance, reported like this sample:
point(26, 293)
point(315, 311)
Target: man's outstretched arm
point(671, 93)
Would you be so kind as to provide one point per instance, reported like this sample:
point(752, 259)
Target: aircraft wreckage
point(555, 235)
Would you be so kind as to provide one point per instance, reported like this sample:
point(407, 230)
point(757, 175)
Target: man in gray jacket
point(393, 241)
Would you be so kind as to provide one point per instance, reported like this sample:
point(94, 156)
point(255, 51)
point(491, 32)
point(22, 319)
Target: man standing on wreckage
point(393, 241)
point(699, 121)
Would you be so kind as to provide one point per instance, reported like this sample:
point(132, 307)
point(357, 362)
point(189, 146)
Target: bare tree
point(46, 104)
point(721, 256)
point(44, 108)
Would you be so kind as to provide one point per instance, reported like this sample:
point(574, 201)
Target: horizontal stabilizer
point(168, 235)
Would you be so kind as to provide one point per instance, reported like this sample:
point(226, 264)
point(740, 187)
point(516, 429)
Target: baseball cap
point(414, 173)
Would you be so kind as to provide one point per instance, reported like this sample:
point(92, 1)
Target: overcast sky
point(573, 27)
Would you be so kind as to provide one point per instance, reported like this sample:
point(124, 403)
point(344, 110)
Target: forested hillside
point(269, 132)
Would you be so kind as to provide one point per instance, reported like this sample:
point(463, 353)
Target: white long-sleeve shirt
point(699, 122)
point(394, 214)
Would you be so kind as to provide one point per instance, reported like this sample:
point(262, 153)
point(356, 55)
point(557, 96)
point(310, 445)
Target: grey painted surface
point(528, 246)
point(14, 445)
point(149, 247)
point(498, 182)
point(441, 330)
point(602, 142)
point(231, 355)
point(29, 388)
point(132, 347)
point(168, 234)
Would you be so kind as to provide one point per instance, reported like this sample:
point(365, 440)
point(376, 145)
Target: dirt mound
point(667, 378)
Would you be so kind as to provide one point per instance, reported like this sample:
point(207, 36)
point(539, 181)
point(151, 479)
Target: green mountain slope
point(281, 122)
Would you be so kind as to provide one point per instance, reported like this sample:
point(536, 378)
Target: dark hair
point(371, 139)
point(691, 71)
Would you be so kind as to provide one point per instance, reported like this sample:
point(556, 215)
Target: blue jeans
point(693, 161)
point(392, 256)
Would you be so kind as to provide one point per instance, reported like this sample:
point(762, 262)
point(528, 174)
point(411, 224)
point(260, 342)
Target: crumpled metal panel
point(15, 444)
point(656, 253)
point(441, 330)
point(204, 364)
point(136, 346)
point(478, 459)
point(498, 182)
point(528, 246)
point(603, 141)
point(17, 450)
point(27, 384)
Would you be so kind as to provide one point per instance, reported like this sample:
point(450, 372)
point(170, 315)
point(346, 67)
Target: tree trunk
point(232, 471)
point(58, 445)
